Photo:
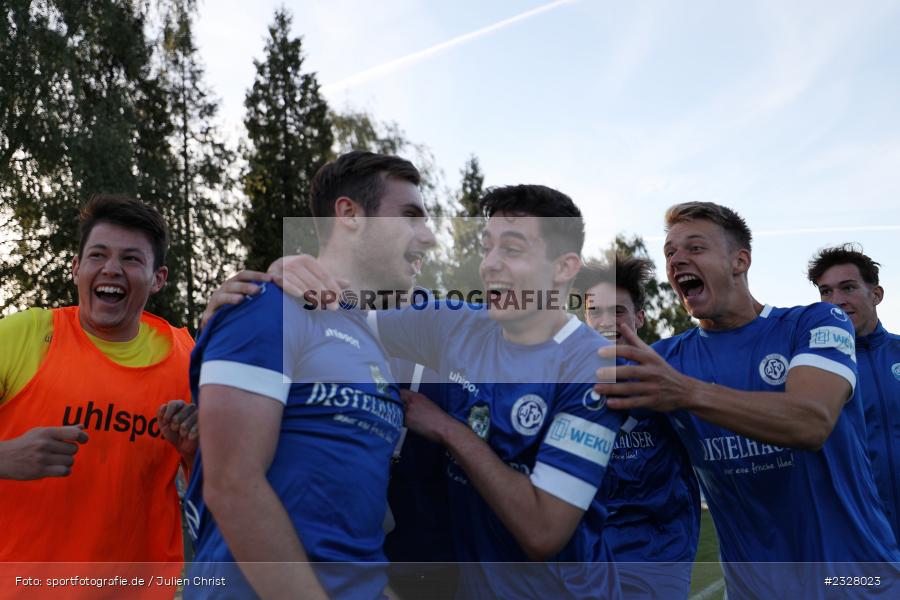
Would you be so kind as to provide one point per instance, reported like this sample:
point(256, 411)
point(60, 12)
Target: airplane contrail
point(410, 59)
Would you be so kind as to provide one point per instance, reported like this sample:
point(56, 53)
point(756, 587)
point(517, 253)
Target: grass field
point(707, 573)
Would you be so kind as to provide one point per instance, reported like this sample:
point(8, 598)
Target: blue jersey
point(773, 504)
point(879, 384)
point(342, 417)
point(654, 509)
point(553, 429)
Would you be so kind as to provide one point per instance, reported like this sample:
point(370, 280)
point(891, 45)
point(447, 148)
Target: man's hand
point(302, 273)
point(233, 291)
point(178, 424)
point(41, 452)
point(425, 417)
point(651, 383)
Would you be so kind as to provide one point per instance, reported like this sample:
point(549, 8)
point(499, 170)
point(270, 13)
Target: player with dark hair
point(309, 395)
point(529, 440)
point(93, 406)
point(766, 403)
point(651, 492)
point(848, 278)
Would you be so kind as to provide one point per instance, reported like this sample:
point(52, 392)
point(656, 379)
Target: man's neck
point(740, 313)
point(536, 328)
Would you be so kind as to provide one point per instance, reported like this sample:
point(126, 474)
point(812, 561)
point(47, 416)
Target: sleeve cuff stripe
point(564, 486)
point(249, 378)
point(826, 364)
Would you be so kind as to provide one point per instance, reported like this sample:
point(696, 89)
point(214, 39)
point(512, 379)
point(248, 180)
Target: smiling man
point(92, 407)
point(300, 414)
point(848, 278)
point(766, 402)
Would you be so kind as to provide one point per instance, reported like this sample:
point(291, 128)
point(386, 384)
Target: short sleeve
point(825, 339)
point(576, 449)
point(245, 346)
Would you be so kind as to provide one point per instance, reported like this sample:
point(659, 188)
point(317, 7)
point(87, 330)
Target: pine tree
point(202, 215)
point(290, 137)
point(466, 230)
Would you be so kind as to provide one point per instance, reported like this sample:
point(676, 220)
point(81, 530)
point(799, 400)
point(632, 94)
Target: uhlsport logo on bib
point(773, 369)
point(528, 414)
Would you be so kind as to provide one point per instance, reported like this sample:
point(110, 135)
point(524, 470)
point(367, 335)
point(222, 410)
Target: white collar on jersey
point(567, 330)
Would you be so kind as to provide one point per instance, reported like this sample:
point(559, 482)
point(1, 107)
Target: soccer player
point(651, 492)
point(529, 440)
point(299, 415)
point(765, 401)
point(848, 278)
point(93, 404)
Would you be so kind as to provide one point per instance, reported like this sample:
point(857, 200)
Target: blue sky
point(786, 112)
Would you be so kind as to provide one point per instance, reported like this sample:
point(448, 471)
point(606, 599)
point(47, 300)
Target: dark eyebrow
point(105, 247)
point(415, 208)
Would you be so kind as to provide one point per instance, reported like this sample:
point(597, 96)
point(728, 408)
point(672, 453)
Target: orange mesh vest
point(119, 504)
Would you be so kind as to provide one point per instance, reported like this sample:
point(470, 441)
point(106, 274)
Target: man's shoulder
point(669, 345)
point(26, 323)
point(819, 311)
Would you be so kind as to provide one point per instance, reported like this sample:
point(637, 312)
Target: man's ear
point(159, 279)
point(877, 294)
point(567, 267)
point(742, 260)
point(347, 210)
point(75, 270)
point(639, 319)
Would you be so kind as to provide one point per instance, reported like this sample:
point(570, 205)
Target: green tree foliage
point(290, 137)
point(462, 268)
point(73, 77)
point(194, 176)
point(665, 316)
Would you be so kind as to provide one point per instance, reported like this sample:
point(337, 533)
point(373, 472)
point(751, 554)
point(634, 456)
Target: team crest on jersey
point(380, 382)
point(480, 420)
point(895, 369)
point(528, 414)
point(838, 314)
point(773, 369)
point(592, 400)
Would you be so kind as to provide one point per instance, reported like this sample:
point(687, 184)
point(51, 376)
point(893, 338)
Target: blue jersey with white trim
point(342, 417)
point(554, 429)
point(771, 503)
point(653, 501)
point(879, 385)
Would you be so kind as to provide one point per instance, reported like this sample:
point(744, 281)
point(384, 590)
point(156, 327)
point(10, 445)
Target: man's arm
point(802, 416)
point(240, 434)
point(540, 522)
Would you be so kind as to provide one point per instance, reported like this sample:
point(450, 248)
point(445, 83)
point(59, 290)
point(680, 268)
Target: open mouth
point(110, 294)
point(415, 259)
point(690, 285)
point(498, 292)
point(611, 335)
